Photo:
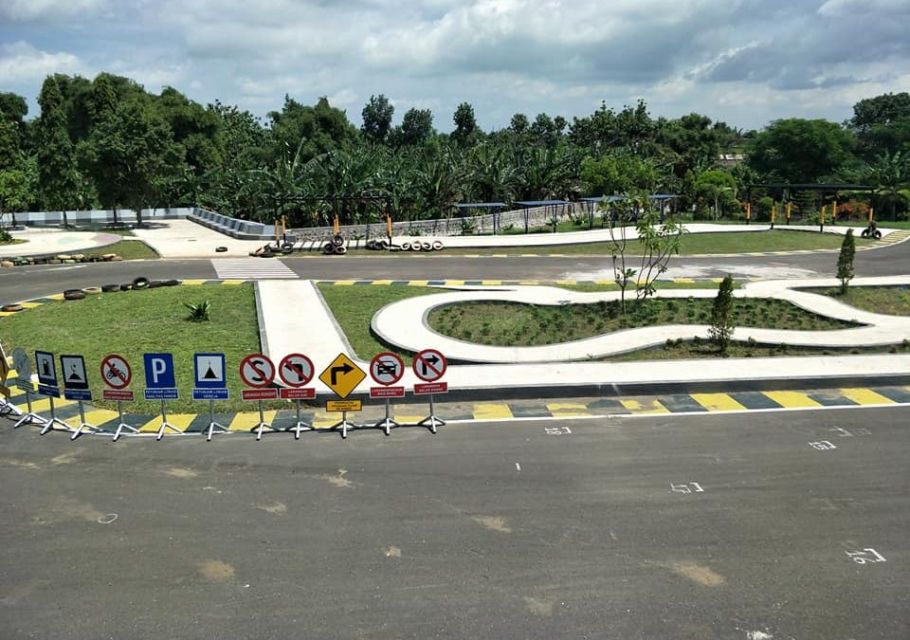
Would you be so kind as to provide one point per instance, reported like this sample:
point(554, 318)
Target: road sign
point(257, 370)
point(47, 369)
point(429, 365)
point(431, 388)
point(209, 371)
point(159, 371)
point(387, 368)
point(23, 366)
point(296, 370)
point(259, 394)
point(4, 365)
point(342, 376)
point(116, 372)
point(307, 393)
point(344, 405)
point(386, 392)
point(118, 395)
point(75, 378)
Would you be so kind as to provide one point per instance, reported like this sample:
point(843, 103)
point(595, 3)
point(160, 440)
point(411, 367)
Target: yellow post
point(871, 213)
point(834, 212)
point(748, 211)
point(821, 219)
point(388, 225)
point(789, 211)
point(336, 226)
point(773, 214)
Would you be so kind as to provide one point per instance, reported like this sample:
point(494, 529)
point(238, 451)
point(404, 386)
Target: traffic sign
point(342, 376)
point(208, 393)
point(431, 388)
point(23, 366)
point(4, 365)
point(47, 369)
point(307, 393)
point(296, 370)
point(116, 372)
point(209, 371)
point(159, 372)
point(386, 392)
point(75, 378)
point(387, 368)
point(429, 365)
point(257, 370)
point(118, 395)
point(259, 394)
point(344, 405)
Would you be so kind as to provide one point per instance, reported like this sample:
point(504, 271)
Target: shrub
point(200, 312)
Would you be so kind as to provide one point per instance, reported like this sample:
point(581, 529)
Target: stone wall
point(93, 217)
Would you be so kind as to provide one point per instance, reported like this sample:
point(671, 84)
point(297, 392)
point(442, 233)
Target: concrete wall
point(96, 216)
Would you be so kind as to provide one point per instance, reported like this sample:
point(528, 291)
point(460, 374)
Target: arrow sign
point(342, 376)
point(429, 365)
point(295, 370)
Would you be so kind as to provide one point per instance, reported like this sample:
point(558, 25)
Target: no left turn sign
point(387, 368)
point(116, 372)
point(296, 370)
point(257, 370)
point(429, 365)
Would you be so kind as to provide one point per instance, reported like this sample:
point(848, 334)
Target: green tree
point(718, 187)
point(519, 124)
point(59, 183)
point(722, 315)
point(659, 241)
point(845, 261)
point(416, 127)
point(465, 123)
point(882, 124)
point(889, 173)
point(377, 119)
point(801, 151)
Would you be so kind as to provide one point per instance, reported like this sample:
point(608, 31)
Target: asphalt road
point(29, 282)
point(484, 531)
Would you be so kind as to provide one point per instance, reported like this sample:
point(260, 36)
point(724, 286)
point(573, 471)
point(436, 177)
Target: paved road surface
point(486, 531)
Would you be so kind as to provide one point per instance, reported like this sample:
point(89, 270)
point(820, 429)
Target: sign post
point(296, 370)
point(24, 381)
point(161, 384)
point(387, 369)
point(430, 365)
point(117, 375)
point(48, 386)
point(342, 376)
point(210, 384)
point(258, 371)
point(75, 387)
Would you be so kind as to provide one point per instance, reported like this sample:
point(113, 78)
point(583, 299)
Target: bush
point(200, 312)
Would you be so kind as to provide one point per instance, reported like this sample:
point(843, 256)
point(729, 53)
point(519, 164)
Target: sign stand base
point(386, 423)
point(30, 417)
point(301, 425)
point(262, 424)
point(7, 408)
point(344, 425)
point(165, 425)
point(214, 425)
point(83, 425)
point(122, 425)
point(432, 420)
point(49, 424)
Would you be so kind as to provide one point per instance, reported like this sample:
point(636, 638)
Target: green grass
point(126, 249)
point(7, 243)
point(136, 322)
point(893, 301)
point(521, 325)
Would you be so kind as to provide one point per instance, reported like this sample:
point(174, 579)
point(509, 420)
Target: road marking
point(689, 487)
point(717, 402)
point(251, 269)
point(180, 420)
point(249, 419)
point(648, 407)
point(865, 396)
point(517, 467)
point(96, 417)
point(498, 411)
point(865, 556)
point(823, 445)
point(792, 399)
point(568, 409)
point(557, 431)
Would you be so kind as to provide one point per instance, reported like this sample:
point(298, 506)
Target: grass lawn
point(893, 301)
point(135, 322)
point(126, 249)
point(521, 325)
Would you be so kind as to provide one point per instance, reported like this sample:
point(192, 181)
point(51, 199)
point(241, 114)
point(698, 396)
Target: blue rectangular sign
point(210, 394)
point(161, 394)
point(209, 371)
point(47, 370)
point(48, 390)
point(78, 394)
point(159, 371)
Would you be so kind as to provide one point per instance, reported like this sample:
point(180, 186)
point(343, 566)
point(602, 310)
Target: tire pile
point(414, 245)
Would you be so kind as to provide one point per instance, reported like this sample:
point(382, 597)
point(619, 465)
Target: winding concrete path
point(43, 242)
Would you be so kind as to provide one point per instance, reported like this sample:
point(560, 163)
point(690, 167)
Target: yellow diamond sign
point(342, 376)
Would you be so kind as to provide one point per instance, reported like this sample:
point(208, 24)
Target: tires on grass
point(437, 245)
point(91, 290)
point(110, 288)
point(140, 283)
point(340, 251)
point(73, 294)
point(338, 240)
point(11, 308)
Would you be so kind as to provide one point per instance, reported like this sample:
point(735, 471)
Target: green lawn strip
point(686, 350)
point(354, 308)
point(630, 292)
point(521, 325)
point(153, 320)
point(893, 301)
point(126, 249)
point(8, 243)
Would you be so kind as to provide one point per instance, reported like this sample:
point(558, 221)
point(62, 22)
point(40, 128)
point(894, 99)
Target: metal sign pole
point(432, 420)
point(83, 425)
point(165, 425)
point(262, 423)
point(123, 425)
point(212, 424)
point(387, 423)
point(49, 424)
point(300, 426)
point(30, 417)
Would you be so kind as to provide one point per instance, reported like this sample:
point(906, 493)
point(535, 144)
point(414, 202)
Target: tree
point(465, 123)
point(377, 119)
point(659, 242)
point(845, 261)
point(620, 217)
point(717, 186)
point(721, 315)
point(890, 174)
point(801, 151)
point(416, 126)
point(882, 124)
point(519, 124)
point(58, 178)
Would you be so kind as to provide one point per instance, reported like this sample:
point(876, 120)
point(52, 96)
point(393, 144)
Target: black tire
point(340, 251)
point(437, 245)
point(338, 240)
point(170, 283)
point(109, 288)
point(426, 246)
point(415, 246)
point(405, 246)
point(878, 235)
point(140, 283)
point(91, 290)
point(328, 248)
point(370, 245)
point(11, 308)
point(287, 249)
point(73, 294)
point(126, 287)
point(155, 284)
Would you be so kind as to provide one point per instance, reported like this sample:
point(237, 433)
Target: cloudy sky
point(743, 61)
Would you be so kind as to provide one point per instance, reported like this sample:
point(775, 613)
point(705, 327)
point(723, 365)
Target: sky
point(746, 62)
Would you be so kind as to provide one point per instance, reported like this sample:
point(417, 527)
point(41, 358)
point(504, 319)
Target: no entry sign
point(387, 368)
point(429, 365)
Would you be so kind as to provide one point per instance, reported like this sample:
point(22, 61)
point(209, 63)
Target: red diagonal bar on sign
point(115, 371)
point(430, 366)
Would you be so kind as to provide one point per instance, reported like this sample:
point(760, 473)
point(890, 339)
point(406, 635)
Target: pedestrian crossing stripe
point(240, 269)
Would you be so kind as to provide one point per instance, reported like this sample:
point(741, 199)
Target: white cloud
point(47, 10)
point(20, 62)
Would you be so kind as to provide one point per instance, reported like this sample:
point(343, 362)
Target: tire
point(426, 246)
point(155, 284)
point(415, 246)
point(73, 294)
point(340, 251)
point(11, 308)
point(864, 234)
point(287, 249)
point(437, 245)
point(140, 283)
point(170, 283)
point(370, 245)
point(328, 248)
point(406, 246)
point(338, 240)
point(878, 235)
point(91, 290)
point(110, 288)
point(126, 287)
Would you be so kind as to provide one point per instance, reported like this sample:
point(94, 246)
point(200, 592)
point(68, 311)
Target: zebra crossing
point(251, 269)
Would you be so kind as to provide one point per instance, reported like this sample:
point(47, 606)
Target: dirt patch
point(19, 464)
point(64, 458)
point(392, 552)
point(276, 508)
point(493, 523)
point(538, 607)
point(697, 573)
point(216, 571)
point(338, 480)
point(179, 472)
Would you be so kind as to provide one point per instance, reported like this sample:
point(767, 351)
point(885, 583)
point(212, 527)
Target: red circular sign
point(387, 368)
point(116, 372)
point(257, 370)
point(429, 365)
point(295, 370)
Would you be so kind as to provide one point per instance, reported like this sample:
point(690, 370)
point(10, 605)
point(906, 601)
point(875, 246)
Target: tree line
point(109, 143)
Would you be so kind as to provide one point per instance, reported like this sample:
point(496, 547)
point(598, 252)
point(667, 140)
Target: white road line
point(251, 269)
